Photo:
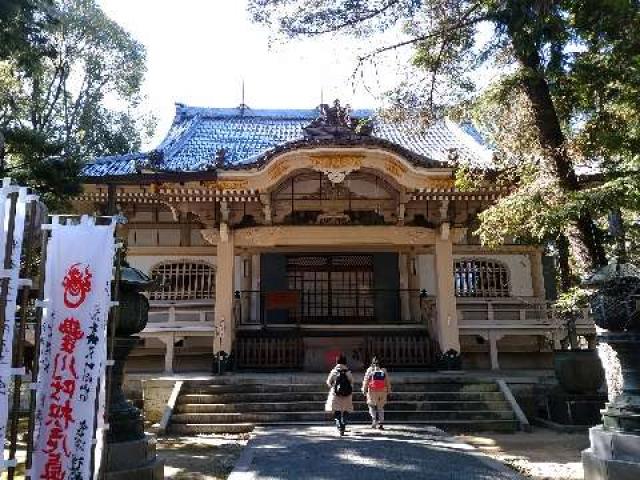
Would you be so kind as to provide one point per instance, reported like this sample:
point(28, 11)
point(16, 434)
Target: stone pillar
point(224, 291)
point(448, 334)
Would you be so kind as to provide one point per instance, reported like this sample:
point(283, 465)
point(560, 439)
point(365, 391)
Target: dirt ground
point(541, 455)
point(205, 457)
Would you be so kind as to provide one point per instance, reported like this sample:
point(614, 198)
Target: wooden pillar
point(256, 306)
point(414, 286)
point(405, 313)
point(493, 349)
point(448, 334)
point(224, 321)
point(537, 276)
point(245, 286)
point(169, 343)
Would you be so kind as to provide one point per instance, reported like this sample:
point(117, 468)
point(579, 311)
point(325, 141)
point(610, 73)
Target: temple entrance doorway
point(332, 288)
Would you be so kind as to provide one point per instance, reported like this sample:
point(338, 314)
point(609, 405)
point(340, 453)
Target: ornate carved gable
point(336, 122)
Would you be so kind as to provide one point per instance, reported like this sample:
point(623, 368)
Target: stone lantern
point(130, 453)
point(615, 445)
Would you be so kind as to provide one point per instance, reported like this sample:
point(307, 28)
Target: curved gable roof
point(250, 136)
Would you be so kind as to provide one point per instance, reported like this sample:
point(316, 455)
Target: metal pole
point(18, 352)
point(36, 357)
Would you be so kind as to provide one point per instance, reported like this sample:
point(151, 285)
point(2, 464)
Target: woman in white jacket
point(376, 386)
point(340, 398)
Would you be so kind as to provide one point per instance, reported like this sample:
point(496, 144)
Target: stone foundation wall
point(155, 394)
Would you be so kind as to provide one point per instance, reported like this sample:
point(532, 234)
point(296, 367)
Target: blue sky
point(199, 51)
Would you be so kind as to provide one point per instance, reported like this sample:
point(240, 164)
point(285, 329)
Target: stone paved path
point(317, 453)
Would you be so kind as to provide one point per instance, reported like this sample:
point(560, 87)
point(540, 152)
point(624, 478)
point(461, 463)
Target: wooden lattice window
point(481, 278)
point(184, 280)
point(333, 286)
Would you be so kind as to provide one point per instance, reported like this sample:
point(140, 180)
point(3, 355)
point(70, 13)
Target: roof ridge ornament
point(337, 122)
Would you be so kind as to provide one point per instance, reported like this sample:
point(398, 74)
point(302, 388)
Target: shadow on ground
point(317, 453)
point(200, 458)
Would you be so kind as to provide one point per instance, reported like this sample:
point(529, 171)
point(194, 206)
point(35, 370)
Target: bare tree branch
point(438, 33)
point(348, 23)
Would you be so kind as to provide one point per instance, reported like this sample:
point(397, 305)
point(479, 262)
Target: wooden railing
point(269, 353)
point(344, 307)
point(173, 321)
point(403, 351)
point(181, 313)
point(492, 319)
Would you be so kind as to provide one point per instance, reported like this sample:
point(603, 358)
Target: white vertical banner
point(73, 349)
point(13, 275)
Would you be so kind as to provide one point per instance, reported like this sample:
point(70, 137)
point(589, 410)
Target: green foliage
point(573, 301)
point(60, 110)
point(565, 91)
point(22, 24)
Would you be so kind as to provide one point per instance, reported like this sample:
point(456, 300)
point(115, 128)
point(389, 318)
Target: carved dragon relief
point(210, 235)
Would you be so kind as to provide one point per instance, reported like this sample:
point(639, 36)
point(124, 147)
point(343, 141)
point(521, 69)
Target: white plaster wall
point(427, 273)
point(519, 267)
point(146, 262)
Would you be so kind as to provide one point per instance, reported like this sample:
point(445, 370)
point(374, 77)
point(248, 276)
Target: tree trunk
point(553, 142)
point(563, 263)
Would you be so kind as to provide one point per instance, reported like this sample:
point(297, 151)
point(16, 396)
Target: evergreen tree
point(567, 93)
point(70, 93)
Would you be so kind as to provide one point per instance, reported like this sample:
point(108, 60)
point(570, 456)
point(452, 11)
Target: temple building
point(282, 237)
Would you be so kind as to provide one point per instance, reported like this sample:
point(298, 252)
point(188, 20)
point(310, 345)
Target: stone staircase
point(223, 406)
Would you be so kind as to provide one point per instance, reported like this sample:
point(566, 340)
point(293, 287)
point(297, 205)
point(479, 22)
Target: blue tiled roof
point(246, 135)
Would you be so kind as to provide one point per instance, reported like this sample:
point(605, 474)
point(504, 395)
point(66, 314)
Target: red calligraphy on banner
point(72, 332)
point(53, 468)
point(76, 285)
point(63, 387)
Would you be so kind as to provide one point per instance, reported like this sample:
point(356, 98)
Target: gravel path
point(317, 453)
point(540, 455)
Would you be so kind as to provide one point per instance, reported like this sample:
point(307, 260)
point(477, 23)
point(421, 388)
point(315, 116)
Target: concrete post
point(224, 321)
point(448, 334)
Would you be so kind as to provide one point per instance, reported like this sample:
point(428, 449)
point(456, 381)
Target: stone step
point(191, 398)
point(507, 426)
point(396, 415)
point(189, 428)
point(297, 406)
point(321, 387)
point(418, 378)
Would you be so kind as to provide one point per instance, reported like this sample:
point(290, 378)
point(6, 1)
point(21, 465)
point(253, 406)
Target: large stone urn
point(615, 445)
point(130, 452)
